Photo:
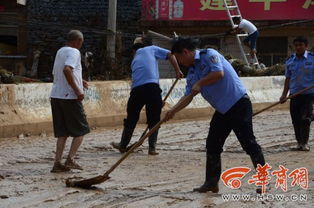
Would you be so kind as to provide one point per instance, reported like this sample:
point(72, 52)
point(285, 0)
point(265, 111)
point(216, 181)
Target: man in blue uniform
point(299, 75)
point(145, 91)
point(212, 75)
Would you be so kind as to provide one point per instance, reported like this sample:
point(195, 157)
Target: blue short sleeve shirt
point(223, 94)
point(301, 72)
point(145, 65)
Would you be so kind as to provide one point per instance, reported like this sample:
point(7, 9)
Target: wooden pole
point(111, 27)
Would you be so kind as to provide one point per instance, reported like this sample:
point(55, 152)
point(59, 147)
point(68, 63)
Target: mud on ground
point(165, 180)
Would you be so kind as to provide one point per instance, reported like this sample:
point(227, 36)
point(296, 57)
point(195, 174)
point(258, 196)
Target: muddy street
point(165, 180)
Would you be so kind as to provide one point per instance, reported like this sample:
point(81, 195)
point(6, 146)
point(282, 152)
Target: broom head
point(86, 183)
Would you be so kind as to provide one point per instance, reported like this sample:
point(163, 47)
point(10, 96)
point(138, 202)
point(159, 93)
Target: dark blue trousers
point(238, 119)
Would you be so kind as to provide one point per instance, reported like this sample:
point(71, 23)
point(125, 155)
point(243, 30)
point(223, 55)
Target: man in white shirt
point(67, 93)
point(249, 28)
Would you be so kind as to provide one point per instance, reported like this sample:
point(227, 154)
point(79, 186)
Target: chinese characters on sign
point(308, 3)
point(267, 2)
point(231, 177)
point(209, 10)
point(213, 4)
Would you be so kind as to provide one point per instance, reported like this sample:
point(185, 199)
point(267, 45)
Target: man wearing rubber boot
point(213, 76)
point(299, 75)
point(145, 91)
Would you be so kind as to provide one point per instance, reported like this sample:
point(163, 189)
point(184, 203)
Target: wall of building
point(25, 108)
point(214, 31)
point(13, 36)
point(42, 26)
point(49, 20)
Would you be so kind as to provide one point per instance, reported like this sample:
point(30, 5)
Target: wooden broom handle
point(136, 145)
point(163, 102)
point(289, 97)
point(142, 139)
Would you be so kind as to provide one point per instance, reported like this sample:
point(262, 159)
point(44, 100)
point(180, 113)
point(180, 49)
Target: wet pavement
point(165, 180)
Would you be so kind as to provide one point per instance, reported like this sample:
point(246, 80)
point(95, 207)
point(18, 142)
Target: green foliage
point(6, 76)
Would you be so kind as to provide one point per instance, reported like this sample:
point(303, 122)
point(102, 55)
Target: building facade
point(279, 22)
point(31, 31)
point(41, 27)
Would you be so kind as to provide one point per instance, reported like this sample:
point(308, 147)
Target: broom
point(87, 183)
point(287, 98)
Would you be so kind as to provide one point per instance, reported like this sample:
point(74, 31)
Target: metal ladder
point(234, 11)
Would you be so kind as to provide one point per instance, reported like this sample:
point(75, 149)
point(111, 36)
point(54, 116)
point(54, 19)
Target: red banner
point(215, 9)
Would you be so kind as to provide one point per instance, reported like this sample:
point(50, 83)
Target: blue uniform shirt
point(145, 65)
point(223, 94)
point(301, 72)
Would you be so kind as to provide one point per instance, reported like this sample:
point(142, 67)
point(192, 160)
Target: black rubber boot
point(152, 140)
point(213, 171)
point(297, 132)
point(304, 134)
point(305, 131)
point(258, 159)
point(125, 140)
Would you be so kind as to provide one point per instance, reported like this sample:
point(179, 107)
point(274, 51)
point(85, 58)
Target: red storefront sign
point(215, 9)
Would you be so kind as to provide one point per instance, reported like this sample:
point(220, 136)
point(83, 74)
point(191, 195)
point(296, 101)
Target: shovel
point(87, 183)
point(287, 98)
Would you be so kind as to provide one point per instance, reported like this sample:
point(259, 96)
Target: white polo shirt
point(66, 56)
point(247, 26)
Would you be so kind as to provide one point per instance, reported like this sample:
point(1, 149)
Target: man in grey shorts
point(67, 93)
